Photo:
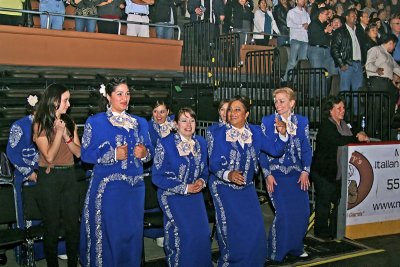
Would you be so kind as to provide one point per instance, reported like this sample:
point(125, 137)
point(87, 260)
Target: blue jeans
point(352, 77)
point(56, 22)
point(298, 51)
point(283, 40)
point(82, 24)
point(320, 57)
point(164, 32)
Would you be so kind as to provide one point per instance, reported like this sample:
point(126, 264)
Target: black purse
point(395, 123)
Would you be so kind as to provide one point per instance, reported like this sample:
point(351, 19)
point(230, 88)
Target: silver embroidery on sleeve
point(15, 135)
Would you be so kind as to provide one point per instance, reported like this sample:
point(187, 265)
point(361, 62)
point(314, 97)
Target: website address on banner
point(386, 205)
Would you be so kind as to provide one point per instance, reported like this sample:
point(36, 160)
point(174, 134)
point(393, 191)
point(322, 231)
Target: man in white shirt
point(381, 67)
point(297, 20)
point(138, 11)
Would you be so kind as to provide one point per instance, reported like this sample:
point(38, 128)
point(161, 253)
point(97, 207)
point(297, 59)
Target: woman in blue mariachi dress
point(233, 157)
point(22, 152)
point(180, 172)
point(117, 143)
point(287, 179)
point(160, 124)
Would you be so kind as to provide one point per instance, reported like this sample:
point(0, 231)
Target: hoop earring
point(108, 106)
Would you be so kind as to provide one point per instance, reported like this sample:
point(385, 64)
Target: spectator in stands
point(336, 22)
point(380, 69)
point(109, 10)
point(180, 171)
point(346, 52)
point(23, 154)
point(11, 18)
point(368, 7)
point(394, 6)
point(160, 124)
point(56, 137)
point(384, 29)
point(85, 8)
point(297, 21)
point(164, 12)
point(233, 157)
point(339, 10)
point(222, 110)
point(242, 17)
point(264, 22)
point(363, 19)
point(372, 37)
point(319, 39)
point(315, 7)
point(280, 14)
point(138, 11)
point(395, 27)
point(118, 144)
point(332, 133)
point(52, 6)
point(287, 179)
point(226, 27)
point(207, 10)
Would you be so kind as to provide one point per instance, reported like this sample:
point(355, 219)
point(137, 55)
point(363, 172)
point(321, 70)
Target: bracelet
point(69, 141)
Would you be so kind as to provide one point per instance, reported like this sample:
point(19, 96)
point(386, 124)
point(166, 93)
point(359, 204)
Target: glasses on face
point(187, 120)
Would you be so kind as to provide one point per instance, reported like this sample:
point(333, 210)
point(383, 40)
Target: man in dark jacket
point(209, 10)
point(280, 13)
point(346, 53)
point(164, 12)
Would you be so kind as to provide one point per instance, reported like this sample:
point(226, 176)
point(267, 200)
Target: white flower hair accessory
point(32, 100)
point(102, 90)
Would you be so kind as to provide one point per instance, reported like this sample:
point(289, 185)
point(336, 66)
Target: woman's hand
point(33, 177)
point(304, 181)
point(271, 183)
point(236, 177)
point(362, 137)
point(196, 187)
point(122, 152)
point(280, 126)
point(140, 151)
point(59, 125)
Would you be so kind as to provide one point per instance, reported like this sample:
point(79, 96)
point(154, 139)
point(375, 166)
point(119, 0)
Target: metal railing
point(375, 108)
point(120, 22)
point(262, 78)
point(311, 87)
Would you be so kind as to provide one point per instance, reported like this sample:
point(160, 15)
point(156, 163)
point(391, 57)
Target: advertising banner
point(373, 184)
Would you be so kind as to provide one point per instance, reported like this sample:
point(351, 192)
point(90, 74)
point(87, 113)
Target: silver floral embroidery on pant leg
point(132, 181)
point(273, 229)
point(171, 226)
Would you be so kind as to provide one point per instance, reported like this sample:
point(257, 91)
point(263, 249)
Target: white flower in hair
point(32, 100)
point(102, 90)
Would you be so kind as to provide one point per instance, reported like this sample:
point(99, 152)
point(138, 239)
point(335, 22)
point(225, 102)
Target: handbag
point(395, 123)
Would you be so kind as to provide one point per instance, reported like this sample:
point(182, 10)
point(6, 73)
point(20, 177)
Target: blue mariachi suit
point(290, 202)
point(240, 227)
point(112, 220)
point(187, 234)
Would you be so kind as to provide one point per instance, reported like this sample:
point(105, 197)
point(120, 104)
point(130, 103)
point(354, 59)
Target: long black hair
point(46, 111)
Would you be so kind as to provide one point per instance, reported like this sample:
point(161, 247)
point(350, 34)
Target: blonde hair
point(286, 90)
